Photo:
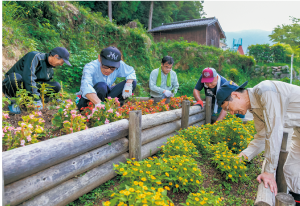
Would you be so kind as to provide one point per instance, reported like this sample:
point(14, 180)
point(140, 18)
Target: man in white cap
point(210, 81)
point(274, 105)
point(32, 70)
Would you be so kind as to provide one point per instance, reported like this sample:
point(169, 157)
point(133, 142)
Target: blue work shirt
point(92, 74)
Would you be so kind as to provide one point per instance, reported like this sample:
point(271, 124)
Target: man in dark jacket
point(32, 70)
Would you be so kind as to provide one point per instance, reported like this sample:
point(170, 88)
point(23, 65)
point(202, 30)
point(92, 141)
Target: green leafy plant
point(203, 197)
point(64, 113)
point(25, 99)
point(45, 89)
point(28, 132)
point(107, 112)
point(75, 124)
point(179, 146)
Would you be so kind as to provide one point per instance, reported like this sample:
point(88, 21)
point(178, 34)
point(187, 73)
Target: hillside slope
point(85, 34)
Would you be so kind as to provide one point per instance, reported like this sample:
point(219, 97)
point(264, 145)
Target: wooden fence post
point(135, 131)
point(185, 114)
point(280, 180)
point(283, 199)
point(208, 101)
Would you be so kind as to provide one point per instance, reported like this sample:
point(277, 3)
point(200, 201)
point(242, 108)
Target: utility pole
point(291, 80)
point(109, 11)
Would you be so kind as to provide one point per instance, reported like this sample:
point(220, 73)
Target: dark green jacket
point(33, 67)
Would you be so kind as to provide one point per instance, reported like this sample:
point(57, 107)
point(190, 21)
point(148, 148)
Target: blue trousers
point(103, 91)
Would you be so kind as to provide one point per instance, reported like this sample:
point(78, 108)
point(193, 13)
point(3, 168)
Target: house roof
point(188, 24)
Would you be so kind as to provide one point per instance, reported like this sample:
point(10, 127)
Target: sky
point(250, 15)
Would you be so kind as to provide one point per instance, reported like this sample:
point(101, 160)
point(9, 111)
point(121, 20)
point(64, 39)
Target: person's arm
point(126, 71)
point(86, 88)
point(196, 94)
point(257, 145)
point(29, 77)
point(222, 115)
point(197, 89)
point(152, 83)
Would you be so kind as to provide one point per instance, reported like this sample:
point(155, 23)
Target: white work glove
point(38, 103)
point(127, 91)
point(168, 93)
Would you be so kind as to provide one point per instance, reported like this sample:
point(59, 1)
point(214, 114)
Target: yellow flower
point(167, 174)
point(205, 198)
point(158, 183)
point(131, 189)
point(203, 202)
point(126, 193)
point(148, 165)
point(222, 163)
point(170, 183)
point(184, 169)
point(152, 188)
point(152, 177)
point(145, 188)
point(144, 179)
point(128, 162)
point(167, 188)
point(160, 189)
point(197, 199)
point(113, 194)
point(141, 184)
point(135, 183)
point(230, 175)
point(187, 203)
point(176, 185)
point(122, 169)
point(235, 167)
point(125, 173)
point(107, 203)
point(197, 181)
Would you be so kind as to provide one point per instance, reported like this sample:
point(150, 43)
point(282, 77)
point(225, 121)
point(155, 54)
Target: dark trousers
point(103, 91)
point(14, 81)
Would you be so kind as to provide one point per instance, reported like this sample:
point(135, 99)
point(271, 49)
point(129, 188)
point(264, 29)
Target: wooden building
point(206, 31)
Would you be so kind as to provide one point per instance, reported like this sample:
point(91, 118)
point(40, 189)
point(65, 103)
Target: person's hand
point(38, 104)
point(200, 103)
point(127, 91)
point(242, 155)
point(268, 179)
point(167, 93)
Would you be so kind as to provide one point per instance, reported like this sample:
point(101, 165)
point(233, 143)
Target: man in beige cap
point(274, 105)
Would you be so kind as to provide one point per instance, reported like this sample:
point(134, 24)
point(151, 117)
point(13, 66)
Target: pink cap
point(208, 75)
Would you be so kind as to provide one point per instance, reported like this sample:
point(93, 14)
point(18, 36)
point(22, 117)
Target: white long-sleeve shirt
point(274, 105)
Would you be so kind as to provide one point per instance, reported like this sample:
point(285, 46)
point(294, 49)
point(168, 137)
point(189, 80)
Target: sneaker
point(14, 109)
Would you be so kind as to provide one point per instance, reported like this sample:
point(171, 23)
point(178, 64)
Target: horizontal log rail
point(35, 184)
point(70, 190)
point(24, 161)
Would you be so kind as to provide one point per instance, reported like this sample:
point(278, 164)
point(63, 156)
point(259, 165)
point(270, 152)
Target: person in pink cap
point(210, 81)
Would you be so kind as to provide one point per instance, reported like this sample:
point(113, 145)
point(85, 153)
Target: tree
point(150, 15)
point(288, 34)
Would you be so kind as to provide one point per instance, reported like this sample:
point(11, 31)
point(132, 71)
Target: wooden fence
point(264, 195)
point(60, 170)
